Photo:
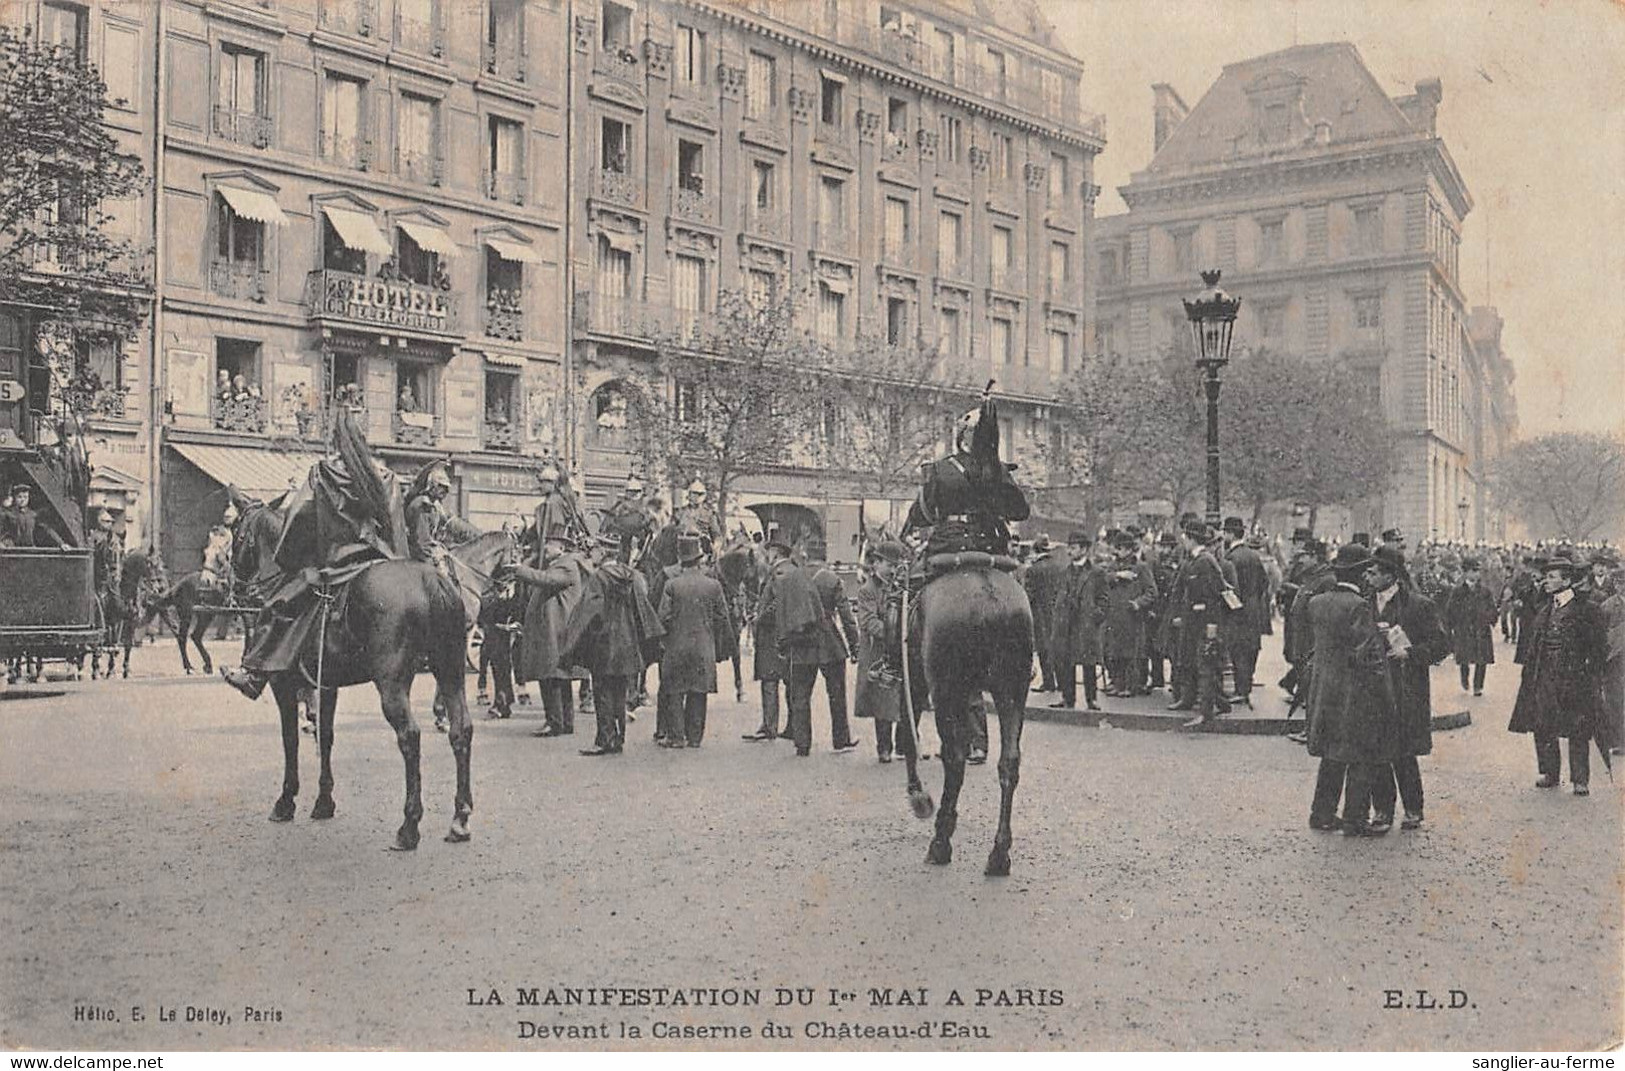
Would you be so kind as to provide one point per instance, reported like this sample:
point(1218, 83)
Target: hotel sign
point(383, 302)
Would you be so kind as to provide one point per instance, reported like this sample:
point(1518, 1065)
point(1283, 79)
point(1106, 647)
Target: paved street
point(1165, 884)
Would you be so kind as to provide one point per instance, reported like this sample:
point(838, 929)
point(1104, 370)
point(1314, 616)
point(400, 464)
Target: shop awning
point(430, 238)
point(254, 205)
point(517, 252)
point(358, 231)
point(511, 360)
point(260, 473)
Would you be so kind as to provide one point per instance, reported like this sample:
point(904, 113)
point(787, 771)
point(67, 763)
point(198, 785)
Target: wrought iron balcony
point(692, 204)
point(504, 186)
point(244, 128)
point(239, 281)
point(245, 413)
point(342, 295)
point(618, 186)
point(358, 17)
point(353, 152)
point(504, 319)
point(501, 435)
point(415, 429)
point(426, 168)
point(505, 59)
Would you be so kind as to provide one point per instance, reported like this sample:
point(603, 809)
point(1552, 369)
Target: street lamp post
point(1212, 316)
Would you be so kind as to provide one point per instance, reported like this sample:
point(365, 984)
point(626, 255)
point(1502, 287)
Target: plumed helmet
point(634, 485)
point(697, 487)
point(439, 477)
point(548, 474)
point(964, 428)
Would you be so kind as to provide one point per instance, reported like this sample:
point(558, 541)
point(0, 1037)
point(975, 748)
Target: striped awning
point(517, 252)
point(429, 238)
point(357, 231)
point(260, 473)
point(254, 205)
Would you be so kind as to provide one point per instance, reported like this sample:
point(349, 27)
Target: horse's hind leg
point(460, 731)
point(1011, 715)
point(283, 690)
point(396, 697)
point(324, 731)
point(201, 625)
point(951, 728)
point(183, 627)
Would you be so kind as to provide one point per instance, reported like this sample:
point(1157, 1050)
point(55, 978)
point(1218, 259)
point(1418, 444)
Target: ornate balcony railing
point(501, 435)
point(353, 152)
point(244, 128)
point(426, 168)
point(333, 294)
point(505, 59)
point(504, 320)
point(619, 62)
point(693, 205)
point(415, 429)
point(427, 38)
point(634, 318)
point(359, 17)
point(504, 186)
point(618, 186)
point(241, 282)
point(245, 414)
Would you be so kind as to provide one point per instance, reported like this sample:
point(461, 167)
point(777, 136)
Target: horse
point(121, 610)
point(737, 569)
point(975, 634)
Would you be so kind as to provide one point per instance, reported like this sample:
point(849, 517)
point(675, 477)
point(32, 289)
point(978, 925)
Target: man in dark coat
point(1610, 600)
point(1469, 618)
point(1131, 594)
point(1079, 612)
point(554, 584)
point(1561, 689)
point(613, 631)
point(823, 650)
point(694, 614)
point(628, 519)
point(879, 691)
point(783, 585)
point(1414, 650)
point(1044, 579)
point(1159, 631)
point(501, 614)
point(968, 498)
point(1199, 616)
point(20, 525)
point(1246, 627)
point(1352, 715)
point(1528, 598)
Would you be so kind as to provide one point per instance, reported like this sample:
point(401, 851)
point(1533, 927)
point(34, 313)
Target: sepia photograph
point(812, 525)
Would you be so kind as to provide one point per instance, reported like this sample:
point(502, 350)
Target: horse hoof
point(458, 834)
point(998, 864)
point(924, 806)
point(940, 853)
point(324, 808)
point(283, 811)
point(405, 840)
point(188, 671)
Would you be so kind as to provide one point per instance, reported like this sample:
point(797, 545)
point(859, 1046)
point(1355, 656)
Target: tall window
point(505, 162)
point(951, 143)
point(898, 232)
point(686, 400)
point(238, 240)
point(760, 86)
point(1184, 250)
point(996, 70)
point(614, 278)
point(1277, 122)
point(617, 27)
point(1060, 351)
point(64, 26)
point(831, 312)
point(763, 286)
point(1058, 178)
point(342, 138)
point(240, 97)
point(418, 134)
point(1001, 339)
point(763, 195)
point(691, 166)
point(1368, 311)
point(688, 292)
point(418, 265)
point(951, 331)
point(688, 59)
point(1108, 265)
point(337, 256)
point(504, 297)
point(831, 97)
point(501, 409)
point(1060, 267)
point(1004, 152)
point(1271, 241)
point(1002, 255)
point(236, 368)
point(615, 146)
point(897, 326)
point(831, 204)
point(947, 65)
point(1271, 321)
point(1367, 229)
point(504, 39)
point(1105, 338)
point(950, 241)
point(414, 387)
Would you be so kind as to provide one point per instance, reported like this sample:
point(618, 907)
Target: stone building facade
point(1336, 212)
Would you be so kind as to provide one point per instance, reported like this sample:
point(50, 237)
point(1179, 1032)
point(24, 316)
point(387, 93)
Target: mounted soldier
point(216, 574)
point(107, 558)
point(430, 527)
point(700, 518)
point(969, 497)
point(628, 519)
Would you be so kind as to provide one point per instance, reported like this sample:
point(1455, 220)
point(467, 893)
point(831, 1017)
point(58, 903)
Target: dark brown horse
point(121, 610)
point(975, 634)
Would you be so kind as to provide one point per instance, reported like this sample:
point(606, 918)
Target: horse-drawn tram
point(49, 609)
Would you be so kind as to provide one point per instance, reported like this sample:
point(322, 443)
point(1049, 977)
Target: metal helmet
point(634, 486)
point(439, 477)
point(964, 428)
point(697, 488)
point(549, 474)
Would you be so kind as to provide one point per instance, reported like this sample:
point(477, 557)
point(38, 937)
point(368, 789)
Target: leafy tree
point(1567, 484)
point(59, 171)
point(736, 383)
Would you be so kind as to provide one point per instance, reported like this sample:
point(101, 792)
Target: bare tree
point(1568, 484)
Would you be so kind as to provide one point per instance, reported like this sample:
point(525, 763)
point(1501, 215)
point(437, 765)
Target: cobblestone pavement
point(1165, 884)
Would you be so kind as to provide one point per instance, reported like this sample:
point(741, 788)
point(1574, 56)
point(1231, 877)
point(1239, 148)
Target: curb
point(1224, 726)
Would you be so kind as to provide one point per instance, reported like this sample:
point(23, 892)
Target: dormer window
point(1277, 123)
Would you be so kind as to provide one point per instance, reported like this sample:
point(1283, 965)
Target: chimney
point(1167, 110)
point(1423, 108)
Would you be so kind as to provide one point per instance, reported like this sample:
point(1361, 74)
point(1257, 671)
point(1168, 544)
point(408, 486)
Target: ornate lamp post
point(1212, 316)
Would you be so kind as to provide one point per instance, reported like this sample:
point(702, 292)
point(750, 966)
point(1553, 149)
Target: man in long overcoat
point(1352, 714)
point(1044, 579)
point(1131, 594)
point(1075, 636)
point(1200, 609)
point(554, 584)
point(614, 632)
point(1159, 631)
point(1245, 628)
point(1469, 617)
point(1560, 694)
point(1610, 600)
point(694, 614)
point(1397, 604)
point(821, 651)
point(767, 661)
point(879, 692)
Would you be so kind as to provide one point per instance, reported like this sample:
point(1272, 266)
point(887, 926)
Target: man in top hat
point(1469, 618)
point(1246, 626)
point(694, 613)
point(1159, 632)
point(822, 651)
point(1044, 579)
point(1199, 617)
point(1131, 595)
point(787, 605)
point(553, 581)
point(1075, 633)
point(20, 525)
point(1529, 597)
point(628, 518)
point(700, 518)
point(1416, 642)
point(1558, 696)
